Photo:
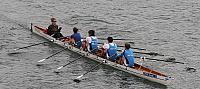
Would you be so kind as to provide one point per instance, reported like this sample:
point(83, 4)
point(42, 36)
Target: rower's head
point(91, 33)
point(127, 46)
point(110, 39)
point(53, 20)
point(75, 30)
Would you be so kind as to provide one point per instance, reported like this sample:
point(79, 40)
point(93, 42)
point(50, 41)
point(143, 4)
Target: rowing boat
point(137, 70)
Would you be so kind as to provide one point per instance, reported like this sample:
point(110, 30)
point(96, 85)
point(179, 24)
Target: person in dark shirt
point(77, 38)
point(53, 29)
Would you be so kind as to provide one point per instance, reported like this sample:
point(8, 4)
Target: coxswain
point(92, 42)
point(53, 29)
point(110, 49)
point(127, 56)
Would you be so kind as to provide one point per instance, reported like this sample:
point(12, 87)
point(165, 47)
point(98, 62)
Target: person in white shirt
point(92, 42)
point(110, 49)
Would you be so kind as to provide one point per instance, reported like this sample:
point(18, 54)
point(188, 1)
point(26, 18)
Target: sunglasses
point(53, 21)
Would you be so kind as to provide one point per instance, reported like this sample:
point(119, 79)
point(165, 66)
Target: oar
point(169, 60)
point(150, 53)
point(70, 62)
point(188, 69)
point(73, 61)
point(66, 37)
point(77, 78)
point(31, 27)
point(132, 47)
point(33, 45)
point(52, 55)
point(115, 39)
point(123, 46)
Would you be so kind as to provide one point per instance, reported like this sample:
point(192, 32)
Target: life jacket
point(112, 52)
point(78, 44)
point(129, 57)
point(93, 44)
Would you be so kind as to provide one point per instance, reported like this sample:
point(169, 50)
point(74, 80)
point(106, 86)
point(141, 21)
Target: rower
point(127, 56)
point(53, 29)
point(92, 42)
point(76, 37)
point(110, 49)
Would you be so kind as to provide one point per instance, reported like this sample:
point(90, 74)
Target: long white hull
point(140, 71)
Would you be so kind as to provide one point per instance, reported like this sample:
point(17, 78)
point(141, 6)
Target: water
point(170, 27)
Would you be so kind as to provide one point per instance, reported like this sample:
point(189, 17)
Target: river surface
point(170, 27)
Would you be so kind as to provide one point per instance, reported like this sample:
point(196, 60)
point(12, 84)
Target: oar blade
point(57, 72)
point(41, 60)
point(77, 80)
point(178, 62)
point(16, 49)
point(52, 40)
point(190, 69)
point(79, 76)
point(60, 67)
point(154, 54)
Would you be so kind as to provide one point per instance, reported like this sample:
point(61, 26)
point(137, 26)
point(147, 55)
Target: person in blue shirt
point(76, 37)
point(127, 56)
point(92, 42)
point(110, 49)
